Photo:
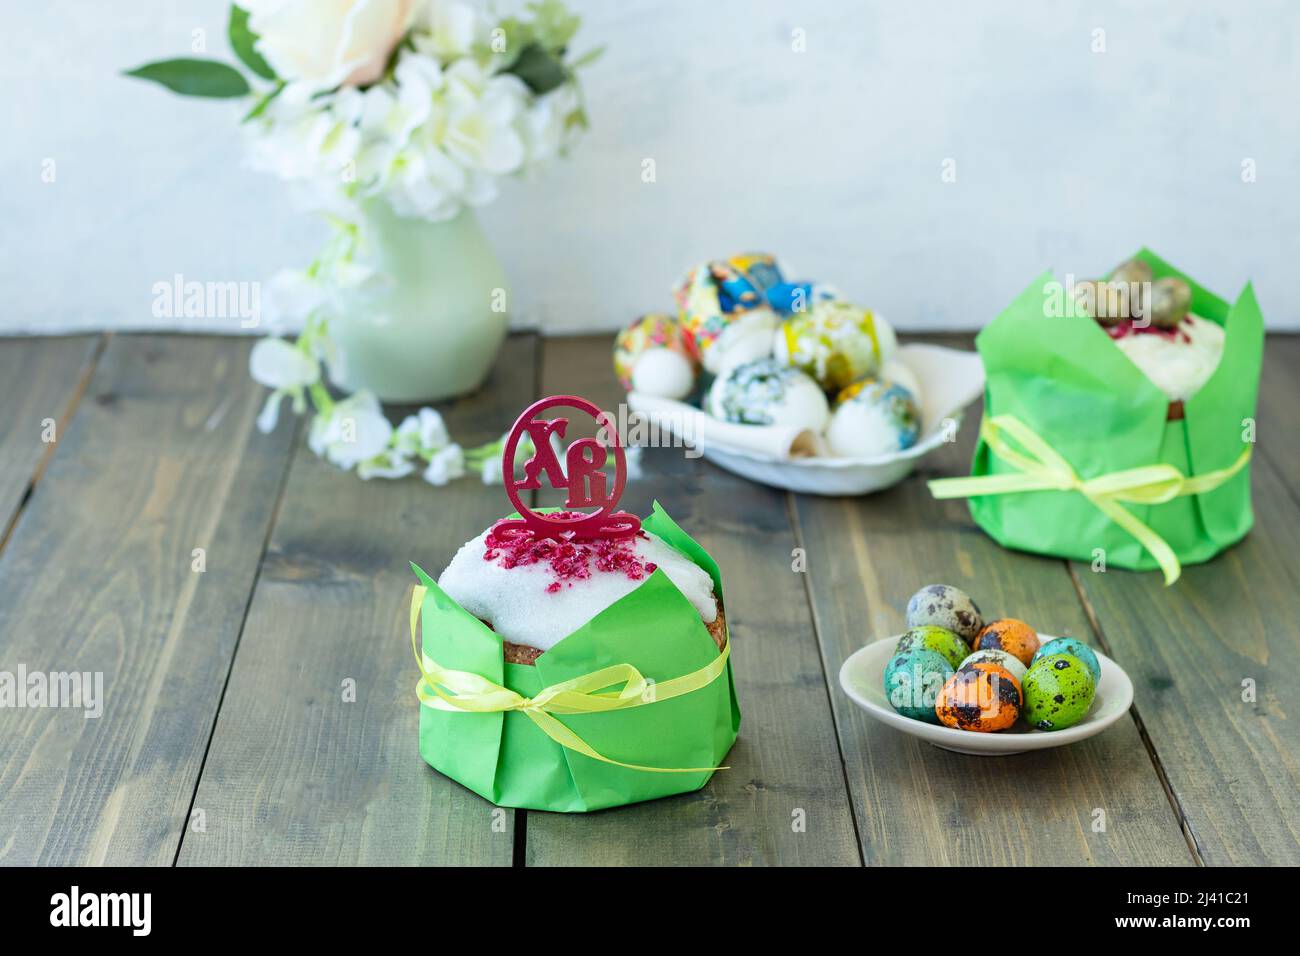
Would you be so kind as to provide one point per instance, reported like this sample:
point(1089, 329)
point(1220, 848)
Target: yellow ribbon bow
point(1040, 468)
point(445, 689)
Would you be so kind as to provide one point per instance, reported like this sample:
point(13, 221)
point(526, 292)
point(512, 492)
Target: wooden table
point(227, 736)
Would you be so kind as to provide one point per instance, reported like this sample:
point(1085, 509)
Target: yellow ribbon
point(1040, 468)
point(445, 689)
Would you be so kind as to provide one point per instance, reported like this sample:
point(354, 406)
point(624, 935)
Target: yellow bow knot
point(442, 688)
point(1040, 468)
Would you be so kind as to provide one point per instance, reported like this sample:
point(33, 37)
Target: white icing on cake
point(517, 604)
point(1177, 365)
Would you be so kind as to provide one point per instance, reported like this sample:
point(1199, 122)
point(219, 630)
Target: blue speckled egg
point(1073, 647)
point(913, 680)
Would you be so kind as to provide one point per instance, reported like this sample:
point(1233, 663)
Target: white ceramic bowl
point(863, 679)
point(828, 476)
point(950, 380)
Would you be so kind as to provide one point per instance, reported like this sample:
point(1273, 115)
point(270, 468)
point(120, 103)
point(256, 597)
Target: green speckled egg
point(1075, 648)
point(938, 639)
point(1058, 692)
point(913, 681)
point(945, 606)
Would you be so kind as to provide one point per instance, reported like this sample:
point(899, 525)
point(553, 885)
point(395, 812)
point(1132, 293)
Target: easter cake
point(1151, 322)
point(574, 658)
point(1123, 431)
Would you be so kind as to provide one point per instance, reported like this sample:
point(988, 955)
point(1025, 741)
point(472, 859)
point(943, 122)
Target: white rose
point(322, 44)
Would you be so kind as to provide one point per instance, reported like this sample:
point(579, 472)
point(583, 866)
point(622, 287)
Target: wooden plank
point(1279, 409)
point(296, 774)
point(786, 767)
point(1196, 650)
point(99, 576)
point(917, 804)
point(40, 381)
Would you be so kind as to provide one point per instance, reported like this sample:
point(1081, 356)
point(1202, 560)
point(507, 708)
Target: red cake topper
point(580, 474)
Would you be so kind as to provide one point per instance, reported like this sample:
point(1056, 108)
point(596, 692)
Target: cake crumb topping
point(569, 558)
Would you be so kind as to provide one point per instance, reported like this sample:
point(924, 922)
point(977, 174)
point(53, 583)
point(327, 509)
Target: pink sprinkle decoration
point(1127, 327)
point(569, 560)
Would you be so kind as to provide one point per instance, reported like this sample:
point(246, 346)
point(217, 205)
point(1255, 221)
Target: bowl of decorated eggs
point(986, 688)
point(786, 383)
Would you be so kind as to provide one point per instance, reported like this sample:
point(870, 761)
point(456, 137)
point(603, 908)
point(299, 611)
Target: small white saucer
point(863, 679)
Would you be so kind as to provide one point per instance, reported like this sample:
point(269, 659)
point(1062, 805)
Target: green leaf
point(242, 40)
point(517, 35)
point(195, 77)
point(588, 58)
point(262, 103)
point(540, 70)
point(553, 24)
point(577, 120)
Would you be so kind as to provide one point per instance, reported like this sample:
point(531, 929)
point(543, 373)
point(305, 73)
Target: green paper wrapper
point(1066, 380)
point(507, 759)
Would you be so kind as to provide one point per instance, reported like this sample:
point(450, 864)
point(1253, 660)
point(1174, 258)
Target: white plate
point(829, 476)
point(863, 679)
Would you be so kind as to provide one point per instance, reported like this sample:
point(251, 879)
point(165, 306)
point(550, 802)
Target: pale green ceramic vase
point(429, 324)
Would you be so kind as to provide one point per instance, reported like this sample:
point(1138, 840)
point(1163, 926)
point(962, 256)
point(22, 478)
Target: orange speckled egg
point(1015, 637)
point(983, 698)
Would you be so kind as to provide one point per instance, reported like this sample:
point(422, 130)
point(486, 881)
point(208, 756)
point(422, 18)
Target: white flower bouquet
point(421, 104)
point(426, 104)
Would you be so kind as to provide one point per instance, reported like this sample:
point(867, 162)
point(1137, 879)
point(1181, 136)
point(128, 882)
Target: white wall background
point(832, 157)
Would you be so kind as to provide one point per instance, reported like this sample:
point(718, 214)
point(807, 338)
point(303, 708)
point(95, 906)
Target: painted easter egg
point(938, 639)
point(873, 418)
point(1011, 635)
point(983, 698)
point(1058, 690)
point(724, 311)
point(765, 392)
point(651, 356)
point(999, 658)
point(835, 342)
point(1075, 648)
point(913, 680)
point(945, 606)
